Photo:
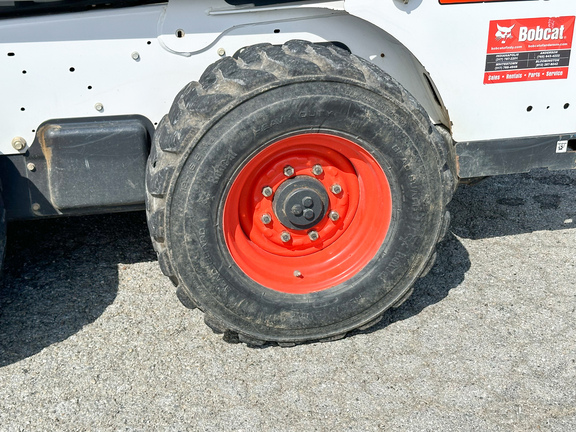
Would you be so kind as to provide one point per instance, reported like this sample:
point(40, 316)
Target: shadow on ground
point(517, 204)
point(496, 207)
point(61, 274)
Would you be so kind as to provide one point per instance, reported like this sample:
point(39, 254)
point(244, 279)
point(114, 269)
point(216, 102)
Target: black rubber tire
point(217, 124)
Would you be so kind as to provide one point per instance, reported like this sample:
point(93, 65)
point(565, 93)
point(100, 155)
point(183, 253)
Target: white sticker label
point(562, 146)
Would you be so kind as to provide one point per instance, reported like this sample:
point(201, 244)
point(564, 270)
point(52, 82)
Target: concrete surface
point(92, 337)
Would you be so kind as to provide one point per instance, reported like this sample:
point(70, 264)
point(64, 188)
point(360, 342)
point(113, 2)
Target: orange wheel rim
point(284, 257)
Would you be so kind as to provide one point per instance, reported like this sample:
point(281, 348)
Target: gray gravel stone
point(93, 338)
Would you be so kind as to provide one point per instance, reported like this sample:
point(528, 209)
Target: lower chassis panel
point(80, 166)
point(97, 165)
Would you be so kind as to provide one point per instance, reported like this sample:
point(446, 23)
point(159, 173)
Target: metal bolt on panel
point(18, 143)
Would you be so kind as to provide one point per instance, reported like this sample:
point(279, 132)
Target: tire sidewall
point(388, 129)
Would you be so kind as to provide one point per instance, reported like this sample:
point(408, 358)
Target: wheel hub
point(301, 202)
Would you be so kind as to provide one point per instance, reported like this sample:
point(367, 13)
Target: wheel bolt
point(297, 210)
point(313, 235)
point(285, 237)
point(267, 191)
point(317, 170)
point(307, 202)
point(336, 188)
point(266, 218)
point(333, 215)
point(288, 171)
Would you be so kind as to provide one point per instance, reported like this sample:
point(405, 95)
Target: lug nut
point(266, 219)
point(313, 235)
point(317, 170)
point(288, 171)
point(336, 188)
point(267, 191)
point(333, 215)
point(285, 236)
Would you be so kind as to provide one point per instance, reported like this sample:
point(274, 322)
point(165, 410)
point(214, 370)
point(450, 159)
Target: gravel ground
point(93, 338)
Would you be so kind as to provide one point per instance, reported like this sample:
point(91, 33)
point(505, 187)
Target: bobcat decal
point(504, 33)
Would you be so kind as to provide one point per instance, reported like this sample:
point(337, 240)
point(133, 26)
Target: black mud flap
point(79, 166)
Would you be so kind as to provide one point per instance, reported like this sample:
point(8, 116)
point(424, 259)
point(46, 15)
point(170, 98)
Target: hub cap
point(300, 203)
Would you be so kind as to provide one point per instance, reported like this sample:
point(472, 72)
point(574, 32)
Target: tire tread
point(231, 80)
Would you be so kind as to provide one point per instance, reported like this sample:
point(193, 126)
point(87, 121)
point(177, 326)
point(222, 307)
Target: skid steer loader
point(295, 158)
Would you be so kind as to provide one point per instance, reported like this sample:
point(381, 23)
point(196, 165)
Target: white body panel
point(131, 60)
point(63, 66)
point(451, 42)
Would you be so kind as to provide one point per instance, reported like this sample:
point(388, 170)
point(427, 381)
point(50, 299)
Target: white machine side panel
point(116, 62)
point(451, 42)
point(131, 61)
